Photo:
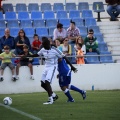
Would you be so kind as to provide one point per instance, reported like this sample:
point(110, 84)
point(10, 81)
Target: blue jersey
point(63, 68)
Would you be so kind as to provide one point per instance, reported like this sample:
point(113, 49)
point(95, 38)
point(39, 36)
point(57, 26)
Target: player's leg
point(31, 70)
point(3, 66)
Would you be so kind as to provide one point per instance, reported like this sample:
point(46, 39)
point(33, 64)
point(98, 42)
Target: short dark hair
point(25, 47)
point(59, 25)
point(72, 22)
point(6, 47)
point(91, 30)
point(35, 35)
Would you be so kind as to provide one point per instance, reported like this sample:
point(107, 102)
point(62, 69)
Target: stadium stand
point(46, 7)
point(70, 6)
point(49, 15)
point(12, 24)
point(14, 32)
point(33, 7)
point(58, 7)
point(25, 23)
point(42, 32)
point(78, 21)
point(87, 14)
point(51, 22)
point(2, 24)
point(65, 22)
point(10, 16)
point(2, 32)
point(23, 16)
point(61, 14)
point(36, 15)
point(74, 14)
point(83, 6)
point(38, 23)
point(8, 7)
point(29, 32)
point(21, 7)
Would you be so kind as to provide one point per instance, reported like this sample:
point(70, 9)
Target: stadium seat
point(7, 7)
point(83, 6)
point(36, 15)
point(102, 47)
point(2, 24)
point(42, 32)
point(99, 38)
point(65, 22)
point(92, 59)
point(23, 16)
point(12, 23)
point(49, 15)
point(51, 29)
point(58, 7)
point(1, 16)
point(83, 30)
point(35, 61)
point(2, 32)
point(14, 61)
point(21, 7)
point(74, 14)
point(95, 28)
point(98, 7)
point(10, 16)
point(90, 22)
point(87, 14)
point(46, 7)
point(38, 23)
point(25, 23)
point(70, 6)
point(29, 32)
point(14, 32)
point(61, 14)
point(33, 7)
point(51, 23)
point(78, 21)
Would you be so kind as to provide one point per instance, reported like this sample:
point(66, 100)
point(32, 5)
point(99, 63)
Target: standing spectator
point(59, 32)
point(36, 44)
point(6, 61)
point(7, 40)
point(20, 41)
point(90, 42)
point(73, 32)
point(113, 9)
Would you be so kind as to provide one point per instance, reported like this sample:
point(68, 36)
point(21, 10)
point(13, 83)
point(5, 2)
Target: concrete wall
point(102, 76)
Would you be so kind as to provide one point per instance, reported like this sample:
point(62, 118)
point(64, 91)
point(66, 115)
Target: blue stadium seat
point(38, 23)
point(36, 15)
point(25, 23)
point(83, 30)
point(14, 32)
point(29, 32)
point(74, 14)
point(7, 7)
point(61, 14)
point(23, 16)
point(87, 14)
point(83, 6)
point(12, 23)
point(92, 59)
point(46, 7)
point(49, 15)
point(2, 32)
point(58, 7)
point(10, 16)
point(35, 61)
point(95, 28)
point(33, 7)
point(51, 23)
point(102, 47)
point(21, 7)
point(1, 16)
point(14, 61)
point(99, 38)
point(65, 22)
point(42, 32)
point(51, 29)
point(70, 6)
point(2, 24)
point(90, 21)
point(78, 21)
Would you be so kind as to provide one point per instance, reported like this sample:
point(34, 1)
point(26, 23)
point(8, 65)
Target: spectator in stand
point(80, 60)
point(25, 61)
point(57, 43)
point(90, 42)
point(59, 32)
point(7, 40)
point(20, 41)
point(6, 61)
point(36, 44)
point(73, 32)
point(113, 9)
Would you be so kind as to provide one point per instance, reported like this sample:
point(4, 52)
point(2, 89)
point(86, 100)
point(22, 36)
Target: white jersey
point(51, 56)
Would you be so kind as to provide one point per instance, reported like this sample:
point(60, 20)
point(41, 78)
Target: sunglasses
point(90, 33)
point(21, 32)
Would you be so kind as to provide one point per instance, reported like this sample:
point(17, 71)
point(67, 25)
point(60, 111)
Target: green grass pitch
point(99, 105)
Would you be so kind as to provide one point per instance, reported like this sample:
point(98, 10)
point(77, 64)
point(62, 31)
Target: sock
point(72, 87)
point(51, 99)
point(13, 75)
point(67, 93)
point(53, 94)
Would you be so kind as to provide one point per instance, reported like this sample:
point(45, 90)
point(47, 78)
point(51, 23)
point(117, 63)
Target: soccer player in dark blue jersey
point(65, 80)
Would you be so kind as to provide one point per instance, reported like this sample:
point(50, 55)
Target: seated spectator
point(113, 9)
point(57, 44)
point(7, 40)
point(36, 44)
point(80, 60)
point(59, 32)
point(90, 42)
point(73, 32)
point(79, 39)
point(20, 41)
point(6, 61)
point(25, 61)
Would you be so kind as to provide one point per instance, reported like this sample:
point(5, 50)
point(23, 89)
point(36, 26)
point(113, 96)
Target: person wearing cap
point(59, 32)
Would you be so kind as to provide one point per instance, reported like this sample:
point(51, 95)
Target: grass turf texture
point(99, 105)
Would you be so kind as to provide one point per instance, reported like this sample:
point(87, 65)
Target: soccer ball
point(7, 101)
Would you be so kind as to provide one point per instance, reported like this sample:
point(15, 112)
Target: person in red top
point(36, 44)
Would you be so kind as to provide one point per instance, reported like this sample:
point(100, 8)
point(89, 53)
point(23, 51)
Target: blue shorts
point(64, 80)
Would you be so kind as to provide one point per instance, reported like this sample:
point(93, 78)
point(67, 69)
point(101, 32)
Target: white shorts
point(49, 73)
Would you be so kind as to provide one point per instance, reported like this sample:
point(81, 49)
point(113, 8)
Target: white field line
point(20, 112)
